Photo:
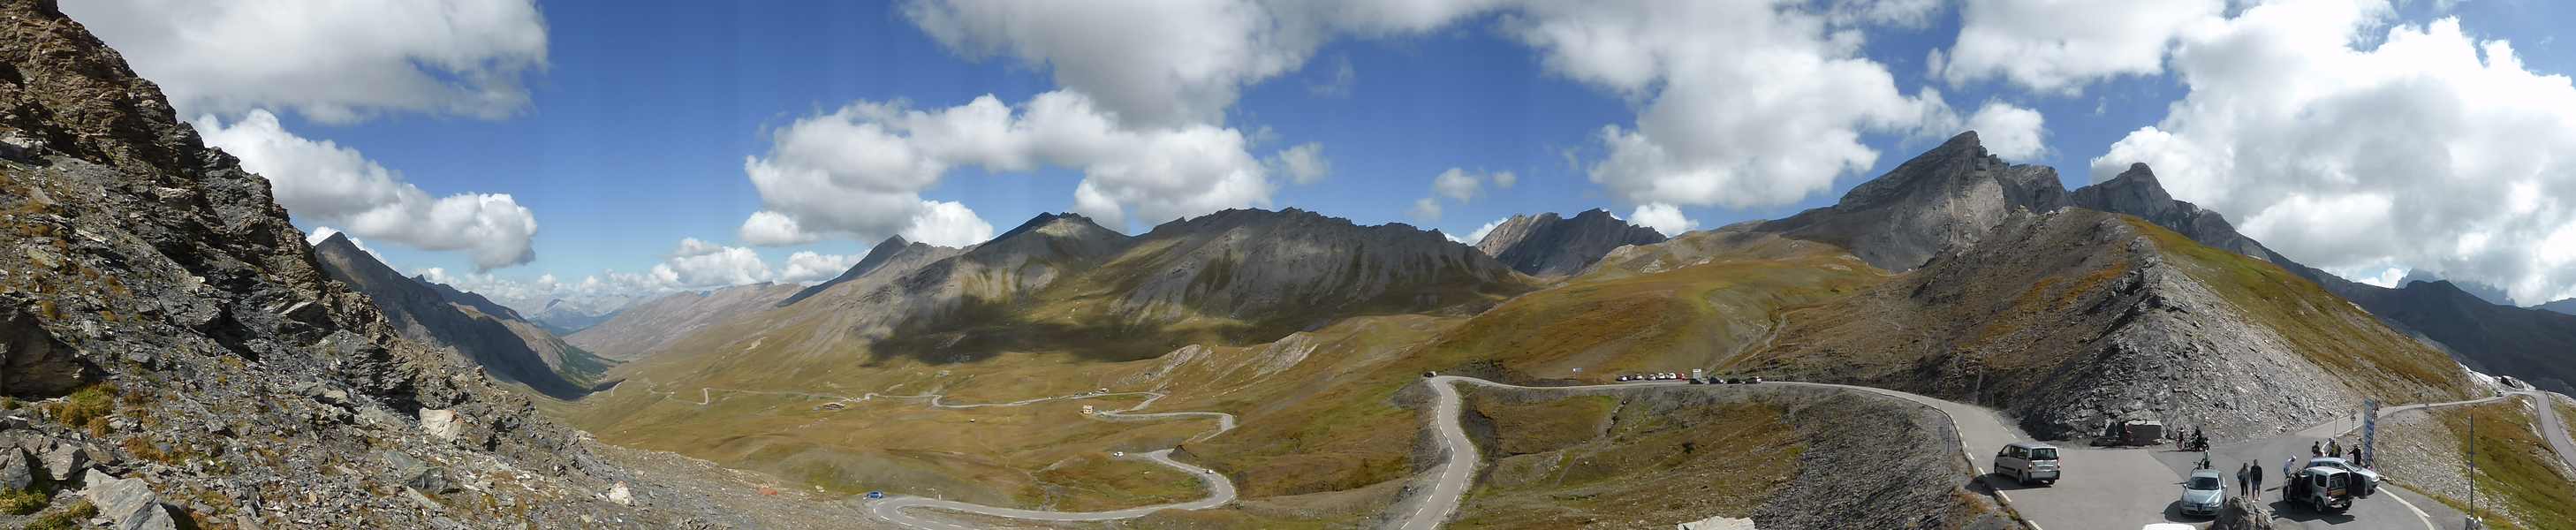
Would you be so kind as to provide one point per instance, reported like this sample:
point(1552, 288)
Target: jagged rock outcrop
point(2137, 192)
point(226, 361)
point(640, 331)
point(509, 348)
point(1546, 245)
point(1948, 197)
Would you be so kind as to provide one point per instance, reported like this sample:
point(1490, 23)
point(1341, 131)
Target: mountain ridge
point(1547, 245)
point(490, 336)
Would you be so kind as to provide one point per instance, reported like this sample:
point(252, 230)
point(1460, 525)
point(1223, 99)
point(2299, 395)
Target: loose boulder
point(32, 362)
point(441, 423)
point(2243, 514)
point(16, 473)
point(66, 461)
point(130, 503)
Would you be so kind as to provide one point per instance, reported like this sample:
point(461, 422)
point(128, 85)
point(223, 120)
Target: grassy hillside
point(2521, 484)
point(1577, 460)
point(2327, 330)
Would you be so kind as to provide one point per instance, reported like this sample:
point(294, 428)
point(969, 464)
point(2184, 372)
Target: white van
point(2028, 462)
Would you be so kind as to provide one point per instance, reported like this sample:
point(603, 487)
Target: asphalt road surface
point(891, 509)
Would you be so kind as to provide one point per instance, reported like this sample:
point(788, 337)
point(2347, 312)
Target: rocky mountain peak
point(1548, 245)
point(1949, 196)
point(893, 254)
point(2134, 192)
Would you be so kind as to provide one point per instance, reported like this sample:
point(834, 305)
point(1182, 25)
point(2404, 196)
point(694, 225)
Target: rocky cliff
point(1948, 197)
point(176, 347)
point(1546, 245)
point(482, 333)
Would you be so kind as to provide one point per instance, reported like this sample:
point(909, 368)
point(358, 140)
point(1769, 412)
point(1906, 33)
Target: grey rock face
point(1546, 245)
point(32, 362)
point(66, 461)
point(16, 471)
point(1948, 197)
point(129, 502)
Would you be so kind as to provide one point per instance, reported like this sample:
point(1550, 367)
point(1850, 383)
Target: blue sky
point(633, 134)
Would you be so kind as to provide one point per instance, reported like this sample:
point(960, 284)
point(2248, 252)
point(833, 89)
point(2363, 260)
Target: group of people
point(2249, 477)
point(2336, 448)
point(2249, 480)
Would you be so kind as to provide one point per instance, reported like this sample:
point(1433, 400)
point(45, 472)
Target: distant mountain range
point(1547, 245)
point(509, 347)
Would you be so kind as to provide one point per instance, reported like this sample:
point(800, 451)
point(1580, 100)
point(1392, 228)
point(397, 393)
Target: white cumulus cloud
point(1456, 184)
point(1740, 103)
point(1304, 163)
point(330, 60)
point(2059, 46)
point(2355, 145)
point(320, 181)
point(2015, 133)
point(858, 172)
point(1664, 218)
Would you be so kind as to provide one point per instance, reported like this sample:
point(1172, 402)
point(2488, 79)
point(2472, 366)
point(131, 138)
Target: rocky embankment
point(176, 358)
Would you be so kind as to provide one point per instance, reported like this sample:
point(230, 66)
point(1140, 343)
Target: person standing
point(2242, 480)
point(2257, 478)
point(2334, 448)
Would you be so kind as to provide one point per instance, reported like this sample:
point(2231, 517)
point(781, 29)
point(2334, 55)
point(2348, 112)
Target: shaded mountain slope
point(1948, 197)
point(209, 357)
point(2117, 319)
point(1546, 245)
point(509, 348)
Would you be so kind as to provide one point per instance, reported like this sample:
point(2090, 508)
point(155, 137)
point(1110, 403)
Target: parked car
point(2321, 489)
point(2369, 483)
point(2203, 493)
point(1752, 380)
point(2028, 462)
point(1430, 374)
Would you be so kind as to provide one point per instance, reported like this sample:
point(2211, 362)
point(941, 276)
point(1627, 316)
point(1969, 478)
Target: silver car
point(2203, 493)
point(2370, 479)
point(2028, 462)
